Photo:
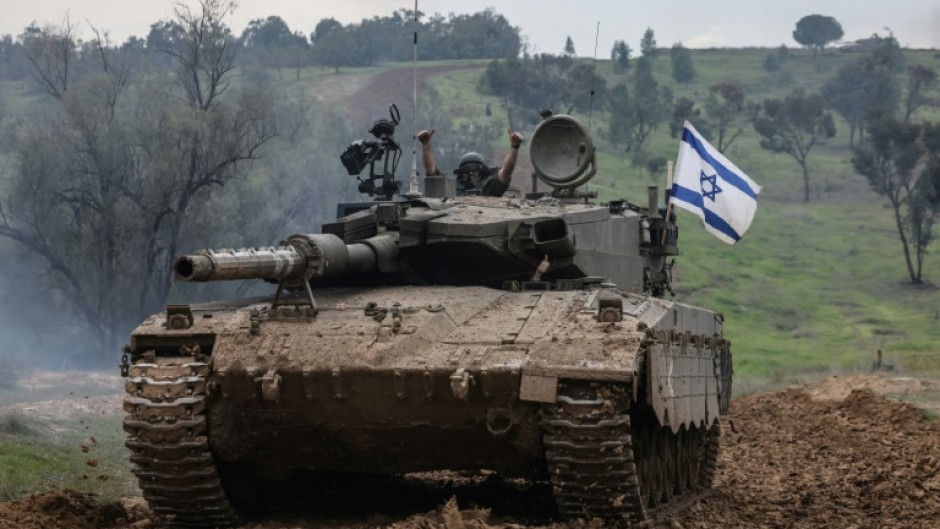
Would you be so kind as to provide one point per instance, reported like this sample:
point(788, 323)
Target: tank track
point(166, 428)
point(610, 462)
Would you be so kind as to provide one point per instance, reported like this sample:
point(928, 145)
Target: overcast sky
point(546, 23)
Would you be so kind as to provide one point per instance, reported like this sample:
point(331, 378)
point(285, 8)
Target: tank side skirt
point(688, 378)
point(167, 435)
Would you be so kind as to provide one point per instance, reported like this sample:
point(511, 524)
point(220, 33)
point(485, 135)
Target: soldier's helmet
point(470, 157)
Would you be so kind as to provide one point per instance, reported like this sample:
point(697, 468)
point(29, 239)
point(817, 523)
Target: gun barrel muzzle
point(283, 262)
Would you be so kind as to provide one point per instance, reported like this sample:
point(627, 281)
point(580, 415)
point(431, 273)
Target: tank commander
point(474, 177)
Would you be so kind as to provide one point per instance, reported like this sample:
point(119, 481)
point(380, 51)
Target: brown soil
point(66, 509)
point(827, 456)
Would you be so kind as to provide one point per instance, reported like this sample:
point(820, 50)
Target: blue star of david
point(713, 181)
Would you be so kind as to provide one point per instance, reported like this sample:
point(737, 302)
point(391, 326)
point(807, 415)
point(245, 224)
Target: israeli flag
point(709, 185)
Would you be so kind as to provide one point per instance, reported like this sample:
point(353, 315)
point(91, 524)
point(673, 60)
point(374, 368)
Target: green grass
point(45, 456)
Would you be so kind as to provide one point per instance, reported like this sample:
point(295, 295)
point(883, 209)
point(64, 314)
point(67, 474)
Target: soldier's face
point(473, 173)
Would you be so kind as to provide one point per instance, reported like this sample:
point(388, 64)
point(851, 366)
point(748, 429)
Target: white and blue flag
point(709, 185)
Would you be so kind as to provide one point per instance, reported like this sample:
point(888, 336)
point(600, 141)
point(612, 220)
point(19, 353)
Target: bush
point(14, 422)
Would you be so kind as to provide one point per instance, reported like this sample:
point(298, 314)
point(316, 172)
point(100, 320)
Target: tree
point(902, 162)
point(569, 46)
point(271, 43)
point(634, 116)
point(920, 78)
point(66, 196)
point(267, 32)
point(887, 52)
point(506, 80)
point(323, 28)
point(542, 81)
point(685, 110)
point(580, 88)
point(816, 31)
point(655, 166)
point(104, 191)
point(620, 105)
point(52, 52)
point(729, 112)
point(857, 89)
point(648, 44)
point(336, 48)
point(794, 126)
point(652, 103)
point(204, 145)
point(620, 54)
point(683, 70)
point(482, 35)
point(772, 62)
point(204, 52)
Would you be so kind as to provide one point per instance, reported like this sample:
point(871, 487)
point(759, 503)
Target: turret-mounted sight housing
point(563, 155)
point(362, 153)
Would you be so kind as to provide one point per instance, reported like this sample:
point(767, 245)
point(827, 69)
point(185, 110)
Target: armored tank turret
point(526, 335)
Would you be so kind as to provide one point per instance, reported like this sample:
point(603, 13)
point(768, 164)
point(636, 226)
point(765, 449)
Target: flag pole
point(662, 241)
point(413, 191)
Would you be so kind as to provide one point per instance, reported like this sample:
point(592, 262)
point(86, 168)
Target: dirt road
point(827, 456)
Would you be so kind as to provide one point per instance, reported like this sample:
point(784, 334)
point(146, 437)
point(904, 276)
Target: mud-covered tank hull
point(548, 384)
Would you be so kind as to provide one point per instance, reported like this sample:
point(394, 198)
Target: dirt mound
point(61, 509)
point(789, 460)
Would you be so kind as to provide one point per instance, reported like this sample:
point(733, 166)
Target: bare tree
point(66, 201)
point(205, 53)
point(191, 153)
point(730, 112)
point(192, 150)
point(52, 53)
point(105, 189)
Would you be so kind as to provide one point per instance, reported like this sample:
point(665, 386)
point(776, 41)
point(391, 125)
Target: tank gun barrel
point(300, 257)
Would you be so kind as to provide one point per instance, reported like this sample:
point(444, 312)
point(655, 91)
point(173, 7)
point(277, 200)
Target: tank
point(527, 335)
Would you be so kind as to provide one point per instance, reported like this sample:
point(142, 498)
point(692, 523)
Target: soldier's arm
point(427, 154)
point(509, 164)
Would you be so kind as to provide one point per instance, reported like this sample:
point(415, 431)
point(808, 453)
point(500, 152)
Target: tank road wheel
point(590, 452)
point(167, 436)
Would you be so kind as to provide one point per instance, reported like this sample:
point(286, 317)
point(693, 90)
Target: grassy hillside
point(813, 288)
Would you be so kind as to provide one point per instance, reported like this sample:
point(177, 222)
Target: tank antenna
point(597, 35)
point(413, 187)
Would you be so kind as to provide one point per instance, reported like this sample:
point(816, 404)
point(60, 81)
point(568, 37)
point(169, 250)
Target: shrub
point(14, 422)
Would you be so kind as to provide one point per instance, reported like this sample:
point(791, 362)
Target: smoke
point(37, 330)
